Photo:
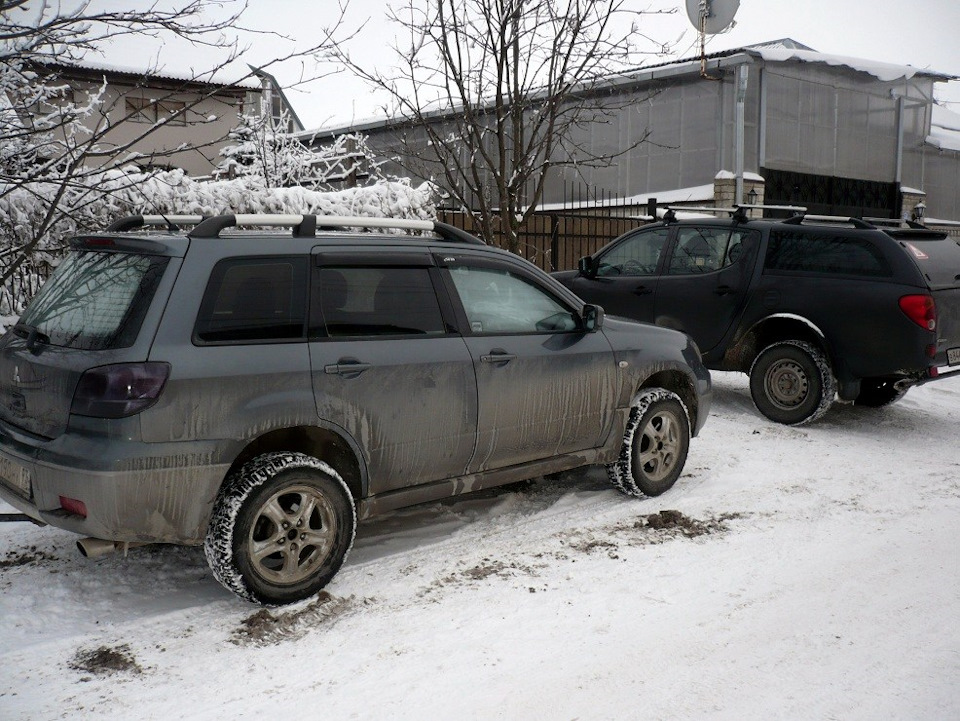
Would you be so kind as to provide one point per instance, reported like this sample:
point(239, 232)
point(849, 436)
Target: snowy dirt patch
point(270, 626)
point(30, 556)
point(650, 529)
point(105, 661)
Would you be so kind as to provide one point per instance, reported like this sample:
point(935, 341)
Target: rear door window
point(95, 300)
point(704, 250)
point(377, 301)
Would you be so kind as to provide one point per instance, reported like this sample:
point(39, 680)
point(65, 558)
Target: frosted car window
point(96, 301)
point(497, 301)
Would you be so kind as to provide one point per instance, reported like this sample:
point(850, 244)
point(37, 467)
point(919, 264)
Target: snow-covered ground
point(814, 574)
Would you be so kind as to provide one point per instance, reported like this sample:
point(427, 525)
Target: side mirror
point(592, 318)
point(587, 266)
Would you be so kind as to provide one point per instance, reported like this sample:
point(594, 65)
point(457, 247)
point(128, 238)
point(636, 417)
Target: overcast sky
point(922, 33)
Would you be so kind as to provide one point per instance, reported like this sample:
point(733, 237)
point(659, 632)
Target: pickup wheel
point(655, 444)
point(281, 528)
point(791, 382)
point(877, 392)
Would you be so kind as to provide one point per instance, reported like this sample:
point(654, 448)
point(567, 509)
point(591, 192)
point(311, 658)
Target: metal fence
point(552, 241)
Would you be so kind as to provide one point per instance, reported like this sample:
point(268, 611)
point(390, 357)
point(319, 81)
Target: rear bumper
point(132, 491)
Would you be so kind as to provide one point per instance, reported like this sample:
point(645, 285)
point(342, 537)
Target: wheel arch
point(774, 329)
point(325, 444)
point(680, 383)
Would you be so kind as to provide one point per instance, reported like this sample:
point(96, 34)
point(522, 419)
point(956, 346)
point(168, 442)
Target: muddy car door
point(384, 358)
point(705, 282)
point(546, 385)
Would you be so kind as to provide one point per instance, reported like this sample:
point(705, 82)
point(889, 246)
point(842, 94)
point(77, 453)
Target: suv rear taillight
point(119, 390)
point(921, 310)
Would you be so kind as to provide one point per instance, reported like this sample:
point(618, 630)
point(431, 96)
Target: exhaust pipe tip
point(95, 547)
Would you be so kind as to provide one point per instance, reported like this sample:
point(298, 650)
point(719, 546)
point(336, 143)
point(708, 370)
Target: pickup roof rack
point(737, 212)
point(304, 226)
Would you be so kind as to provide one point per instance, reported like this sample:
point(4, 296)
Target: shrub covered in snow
point(95, 203)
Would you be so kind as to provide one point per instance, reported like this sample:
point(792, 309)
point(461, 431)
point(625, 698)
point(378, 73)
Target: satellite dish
point(712, 16)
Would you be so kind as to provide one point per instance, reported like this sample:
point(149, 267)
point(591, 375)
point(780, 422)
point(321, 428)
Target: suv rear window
point(825, 252)
point(255, 299)
point(96, 300)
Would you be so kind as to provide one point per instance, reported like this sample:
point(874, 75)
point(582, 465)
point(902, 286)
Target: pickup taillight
point(119, 390)
point(921, 310)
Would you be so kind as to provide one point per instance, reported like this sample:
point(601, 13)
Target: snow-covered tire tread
point(218, 545)
point(621, 472)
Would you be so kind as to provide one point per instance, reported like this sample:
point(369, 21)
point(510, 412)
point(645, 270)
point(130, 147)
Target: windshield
point(95, 300)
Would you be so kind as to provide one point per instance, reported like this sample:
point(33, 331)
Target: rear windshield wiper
point(33, 335)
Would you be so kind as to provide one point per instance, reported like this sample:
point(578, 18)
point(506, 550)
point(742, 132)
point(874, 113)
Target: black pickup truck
point(810, 308)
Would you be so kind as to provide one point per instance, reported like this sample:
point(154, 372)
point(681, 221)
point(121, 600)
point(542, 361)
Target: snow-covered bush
point(101, 199)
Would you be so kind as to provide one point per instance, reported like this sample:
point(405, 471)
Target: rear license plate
point(953, 356)
point(15, 476)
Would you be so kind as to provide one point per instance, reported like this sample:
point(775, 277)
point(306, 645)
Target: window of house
point(254, 299)
point(145, 110)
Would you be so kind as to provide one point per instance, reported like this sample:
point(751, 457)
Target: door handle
point(347, 367)
point(498, 355)
point(642, 290)
point(724, 290)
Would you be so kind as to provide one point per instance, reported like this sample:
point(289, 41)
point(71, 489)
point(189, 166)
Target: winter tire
point(877, 392)
point(655, 444)
point(281, 528)
point(791, 382)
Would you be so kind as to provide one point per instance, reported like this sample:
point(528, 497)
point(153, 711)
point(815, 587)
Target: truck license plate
point(953, 356)
point(15, 476)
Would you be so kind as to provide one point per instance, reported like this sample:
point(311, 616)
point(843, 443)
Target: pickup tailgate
point(937, 255)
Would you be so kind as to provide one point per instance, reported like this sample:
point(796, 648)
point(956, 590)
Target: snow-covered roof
point(157, 73)
point(944, 129)
point(782, 50)
point(786, 49)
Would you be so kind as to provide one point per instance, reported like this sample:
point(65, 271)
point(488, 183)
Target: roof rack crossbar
point(306, 225)
point(855, 222)
point(131, 222)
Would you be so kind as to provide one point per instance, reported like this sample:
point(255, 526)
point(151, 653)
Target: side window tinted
point(379, 301)
point(824, 252)
point(253, 299)
point(497, 301)
point(636, 255)
point(704, 250)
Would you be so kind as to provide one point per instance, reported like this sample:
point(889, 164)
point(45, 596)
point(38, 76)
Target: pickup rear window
point(825, 252)
point(95, 300)
point(937, 256)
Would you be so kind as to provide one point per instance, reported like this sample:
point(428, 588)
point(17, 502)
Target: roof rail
point(138, 221)
point(738, 212)
point(855, 222)
point(306, 225)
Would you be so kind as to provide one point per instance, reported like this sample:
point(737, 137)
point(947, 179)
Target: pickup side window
point(254, 299)
point(636, 255)
point(825, 252)
point(704, 250)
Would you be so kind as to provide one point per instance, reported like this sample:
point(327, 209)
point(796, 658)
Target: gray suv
point(260, 391)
